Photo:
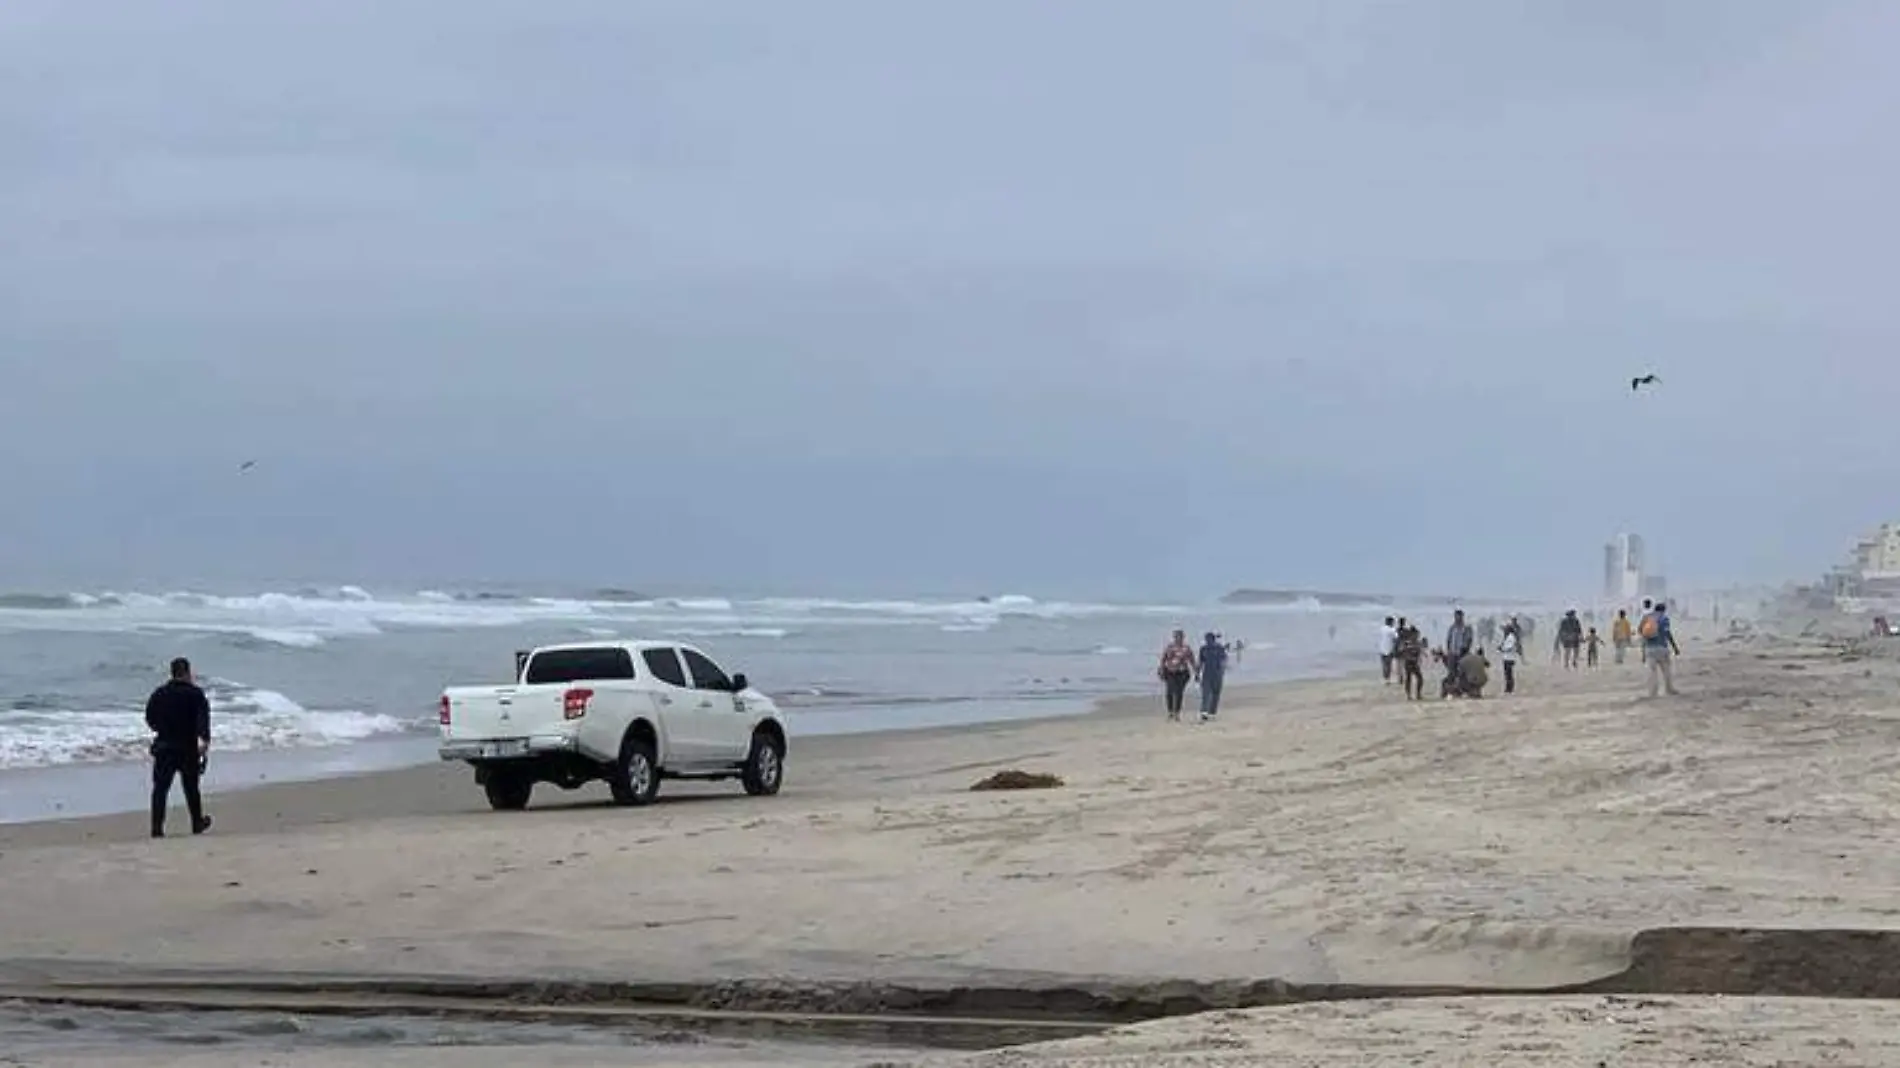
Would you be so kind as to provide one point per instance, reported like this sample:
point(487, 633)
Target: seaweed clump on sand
point(1019, 780)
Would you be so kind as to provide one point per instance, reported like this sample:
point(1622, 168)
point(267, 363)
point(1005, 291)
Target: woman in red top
point(1177, 668)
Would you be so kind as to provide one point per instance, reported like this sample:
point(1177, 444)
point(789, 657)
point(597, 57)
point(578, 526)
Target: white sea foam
point(728, 632)
point(699, 604)
point(295, 639)
point(243, 718)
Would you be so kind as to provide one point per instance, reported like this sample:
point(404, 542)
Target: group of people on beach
point(1466, 671)
point(1403, 649)
point(1181, 664)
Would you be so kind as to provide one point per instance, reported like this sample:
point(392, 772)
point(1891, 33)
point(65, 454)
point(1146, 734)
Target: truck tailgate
point(481, 712)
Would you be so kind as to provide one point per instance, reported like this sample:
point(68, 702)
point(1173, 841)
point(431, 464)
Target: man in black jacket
point(180, 719)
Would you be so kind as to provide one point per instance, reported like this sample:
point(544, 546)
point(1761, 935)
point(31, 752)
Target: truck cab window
point(665, 665)
point(706, 674)
point(578, 665)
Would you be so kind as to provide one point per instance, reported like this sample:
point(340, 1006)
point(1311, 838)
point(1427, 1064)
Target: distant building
point(1623, 568)
point(1878, 554)
point(1871, 572)
point(1655, 587)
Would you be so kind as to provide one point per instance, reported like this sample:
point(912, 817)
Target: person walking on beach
point(180, 719)
point(1176, 670)
point(1648, 607)
point(1388, 648)
point(1510, 647)
point(1570, 638)
point(1591, 646)
point(1210, 673)
point(1411, 654)
point(1459, 640)
point(1620, 634)
point(1659, 649)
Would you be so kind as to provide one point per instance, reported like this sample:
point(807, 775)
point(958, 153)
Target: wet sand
point(1567, 1032)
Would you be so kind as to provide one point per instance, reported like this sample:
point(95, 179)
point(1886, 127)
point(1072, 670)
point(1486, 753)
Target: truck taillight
point(443, 715)
point(574, 703)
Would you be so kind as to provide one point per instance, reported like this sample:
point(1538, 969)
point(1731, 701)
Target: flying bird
point(246, 466)
point(1645, 380)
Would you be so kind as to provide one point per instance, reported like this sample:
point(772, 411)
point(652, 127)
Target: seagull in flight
point(246, 466)
point(1645, 380)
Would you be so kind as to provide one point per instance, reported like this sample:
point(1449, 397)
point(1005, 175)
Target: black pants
point(1510, 676)
point(168, 763)
point(1413, 676)
point(1177, 682)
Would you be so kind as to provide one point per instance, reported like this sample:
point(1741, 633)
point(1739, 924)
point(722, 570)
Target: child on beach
point(1592, 644)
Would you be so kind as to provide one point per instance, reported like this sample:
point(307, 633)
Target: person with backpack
point(1648, 607)
point(1659, 649)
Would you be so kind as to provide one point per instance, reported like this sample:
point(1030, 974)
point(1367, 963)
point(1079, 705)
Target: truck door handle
point(666, 700)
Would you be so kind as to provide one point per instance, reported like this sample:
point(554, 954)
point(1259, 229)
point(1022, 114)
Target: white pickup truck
point(629, 713)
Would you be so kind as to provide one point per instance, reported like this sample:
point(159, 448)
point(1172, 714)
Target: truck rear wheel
point(635, 777)
point(764, 766)
point(508, 791)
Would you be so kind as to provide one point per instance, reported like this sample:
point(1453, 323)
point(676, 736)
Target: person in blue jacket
point(1213, 672)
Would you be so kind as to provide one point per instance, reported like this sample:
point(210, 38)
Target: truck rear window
point(579, 665)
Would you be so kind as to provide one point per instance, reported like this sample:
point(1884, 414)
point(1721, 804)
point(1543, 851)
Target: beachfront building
point(1878, 554)
point(1623, 568)
point(1872, 569)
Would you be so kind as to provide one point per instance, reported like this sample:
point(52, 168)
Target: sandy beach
point(1318, 833)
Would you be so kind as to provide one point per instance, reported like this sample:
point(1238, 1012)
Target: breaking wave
point(44, 729)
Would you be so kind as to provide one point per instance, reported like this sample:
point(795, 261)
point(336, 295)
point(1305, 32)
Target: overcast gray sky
point(1078, 295)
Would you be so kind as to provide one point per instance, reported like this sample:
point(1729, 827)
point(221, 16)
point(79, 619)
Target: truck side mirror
point(739, 683)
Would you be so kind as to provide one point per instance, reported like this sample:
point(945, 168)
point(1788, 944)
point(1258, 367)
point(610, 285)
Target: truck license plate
point(512, 747)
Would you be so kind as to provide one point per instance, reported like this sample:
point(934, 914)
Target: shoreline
point(426, 785)
point(45, 794)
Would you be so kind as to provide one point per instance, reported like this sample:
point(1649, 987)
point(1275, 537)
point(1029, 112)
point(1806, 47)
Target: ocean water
point(325, 681)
